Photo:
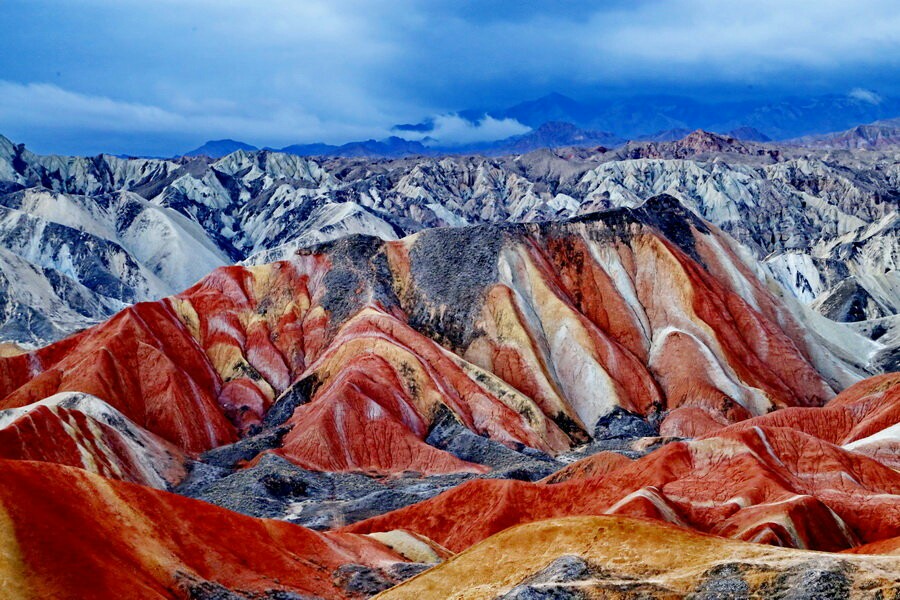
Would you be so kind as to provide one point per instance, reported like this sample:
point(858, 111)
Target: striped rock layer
point(526, 334)
point(529, 335)
point(780, 479)
point(79, 430)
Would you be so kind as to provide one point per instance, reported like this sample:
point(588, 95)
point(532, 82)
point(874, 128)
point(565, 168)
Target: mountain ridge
point(555, 134)
point(259, 206)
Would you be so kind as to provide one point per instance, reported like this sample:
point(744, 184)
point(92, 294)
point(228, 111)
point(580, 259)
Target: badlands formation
point(81, 238)
point(648, 372)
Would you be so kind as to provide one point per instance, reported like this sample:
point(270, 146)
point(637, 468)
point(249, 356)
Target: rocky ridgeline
point(96, 234)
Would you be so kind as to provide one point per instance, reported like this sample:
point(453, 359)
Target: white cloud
point(41, 106)
point(45, 105)
point(865, 95)
point(451, 129)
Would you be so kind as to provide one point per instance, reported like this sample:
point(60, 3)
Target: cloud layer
point(148, 76)
point(451, 129)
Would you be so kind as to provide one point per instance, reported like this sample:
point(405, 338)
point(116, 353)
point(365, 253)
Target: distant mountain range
point(548, 135)
point(560, 121)
point(879, 134)
point(390, 147)
point(219, 148)
point(634, 117)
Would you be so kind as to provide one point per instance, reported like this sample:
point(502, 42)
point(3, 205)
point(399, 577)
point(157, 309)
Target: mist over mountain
point(634, 117)
point(556, 121)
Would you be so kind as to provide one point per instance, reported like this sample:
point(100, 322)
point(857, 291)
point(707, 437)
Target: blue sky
point(84, 76)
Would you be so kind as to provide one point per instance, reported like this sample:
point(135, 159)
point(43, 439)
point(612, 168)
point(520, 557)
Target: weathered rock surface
point(536, 341)
point(615, 557)
point(434, 390)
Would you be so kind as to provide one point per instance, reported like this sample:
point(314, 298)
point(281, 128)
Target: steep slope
point(614, 557)
point(82, 431)
point(526, 335)
point(41, 304)
point(69, 534)
point(143, 363)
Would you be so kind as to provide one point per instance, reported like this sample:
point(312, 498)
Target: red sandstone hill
point(66, 533)
point(80, 430)
point(526, 334)
point(758, 481)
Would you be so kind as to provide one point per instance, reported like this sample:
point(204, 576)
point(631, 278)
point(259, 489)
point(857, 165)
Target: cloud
point(865, 96)
point(45, 105)
point(336, 70)
point(451, 129)
point(768, 42)
point(26, 109)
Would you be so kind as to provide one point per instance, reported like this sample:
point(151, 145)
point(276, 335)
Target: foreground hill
point(769, 479)
point(611, 557)
point(70, 534)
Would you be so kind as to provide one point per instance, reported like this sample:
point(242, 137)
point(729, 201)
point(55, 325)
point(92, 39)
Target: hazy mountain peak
point(879, 134)
point(220, 148)
point(749, 134)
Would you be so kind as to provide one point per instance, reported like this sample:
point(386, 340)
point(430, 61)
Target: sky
point(160, 77)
